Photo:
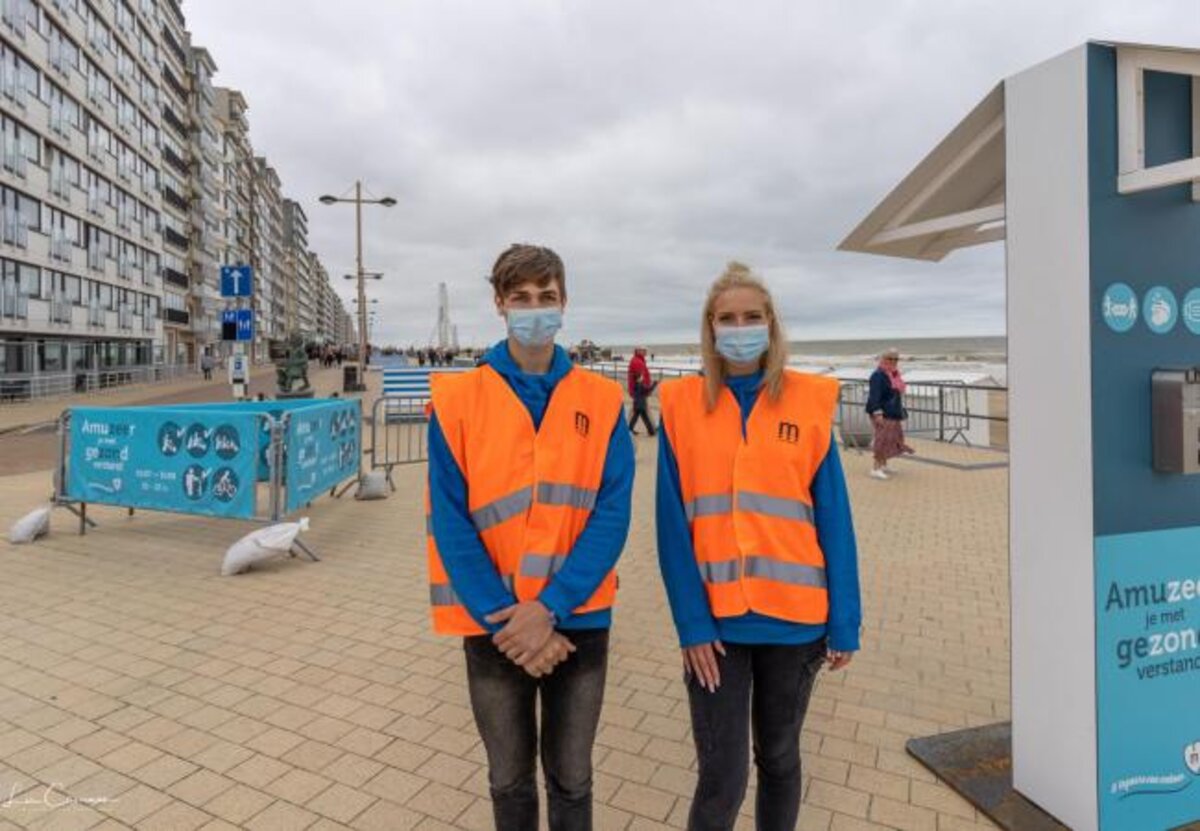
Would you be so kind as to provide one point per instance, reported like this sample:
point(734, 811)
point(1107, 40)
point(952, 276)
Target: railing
point(175, 238)
point(125, 316)
point(29, 387)
point(61, 246)
point(96, 315)
point(942, 411)
point(60, 311)
point(174, 277)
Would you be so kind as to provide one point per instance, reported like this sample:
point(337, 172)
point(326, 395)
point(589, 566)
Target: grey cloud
point(648, 143)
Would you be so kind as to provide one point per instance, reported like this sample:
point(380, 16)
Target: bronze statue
point(294, 367)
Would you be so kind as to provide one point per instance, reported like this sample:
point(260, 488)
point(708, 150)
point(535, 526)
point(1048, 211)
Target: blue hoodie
point(471, 571)
point(835, 532)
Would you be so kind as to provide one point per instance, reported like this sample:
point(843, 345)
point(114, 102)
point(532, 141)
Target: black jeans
point(504, 700)
point(640, 410)
point(764, 689)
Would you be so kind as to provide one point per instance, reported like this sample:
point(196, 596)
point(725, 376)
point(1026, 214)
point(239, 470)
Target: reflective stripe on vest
point(747, 497)
point(529, 493)
point(729, 571)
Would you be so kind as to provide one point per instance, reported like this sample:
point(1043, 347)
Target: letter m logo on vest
point(583, 424)
point(788, 432)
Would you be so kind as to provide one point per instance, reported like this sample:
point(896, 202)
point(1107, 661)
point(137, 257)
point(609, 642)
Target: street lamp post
point(358, 201)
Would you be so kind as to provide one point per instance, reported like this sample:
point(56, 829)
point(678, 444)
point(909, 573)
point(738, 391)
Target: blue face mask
point(534, 327)
point(743, 344)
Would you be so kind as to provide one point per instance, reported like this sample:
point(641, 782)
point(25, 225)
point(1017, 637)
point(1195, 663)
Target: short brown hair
point(521, 263)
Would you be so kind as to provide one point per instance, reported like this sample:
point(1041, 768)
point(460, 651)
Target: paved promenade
point(152, 693)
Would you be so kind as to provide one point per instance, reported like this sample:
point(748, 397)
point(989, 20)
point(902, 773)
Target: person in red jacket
point(640, 387)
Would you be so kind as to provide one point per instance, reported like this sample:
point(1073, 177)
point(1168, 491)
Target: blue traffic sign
point(245, 324)
point(237, 281)
point(237, 324)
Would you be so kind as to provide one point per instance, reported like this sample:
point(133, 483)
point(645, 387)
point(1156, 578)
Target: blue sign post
point(237, 281)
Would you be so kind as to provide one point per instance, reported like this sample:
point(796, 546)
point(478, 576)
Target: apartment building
point(207, 210)
point(80, 207)
point(127, 179)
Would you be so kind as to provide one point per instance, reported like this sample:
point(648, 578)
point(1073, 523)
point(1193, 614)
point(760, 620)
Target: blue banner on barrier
point(323, 449)
point(191, 461)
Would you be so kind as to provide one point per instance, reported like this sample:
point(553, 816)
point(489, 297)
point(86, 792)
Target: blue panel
point(1148, 679)
point(323, 449)
point(186, 461)
point(1144, 240)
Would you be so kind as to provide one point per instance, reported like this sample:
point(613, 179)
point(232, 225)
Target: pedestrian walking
point(757, 551)
point(530, 480)
point(206, 365)
point(885, 406)
point(640, 387)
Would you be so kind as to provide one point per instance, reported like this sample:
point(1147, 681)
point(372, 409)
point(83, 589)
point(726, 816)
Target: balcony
point(174, 199)
point(60, 311)
point(125, 316)
point(175, 122)
point(176, 239)
point(175, 278)
point(96, 315)
point(172, 158)
point(179, 89)
point(174, 47)
point(148, 321)
point(176, 316)
point(61, 246)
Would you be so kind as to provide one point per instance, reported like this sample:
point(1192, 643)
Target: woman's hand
point(701, 661)
point(837, 660)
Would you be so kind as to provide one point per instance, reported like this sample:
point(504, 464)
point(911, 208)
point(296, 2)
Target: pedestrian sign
point(237, 324)
point(237, 281)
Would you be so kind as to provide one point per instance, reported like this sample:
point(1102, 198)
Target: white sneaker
point(876, 473)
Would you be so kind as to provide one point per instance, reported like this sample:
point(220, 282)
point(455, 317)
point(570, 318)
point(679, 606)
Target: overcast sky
point(646, 142)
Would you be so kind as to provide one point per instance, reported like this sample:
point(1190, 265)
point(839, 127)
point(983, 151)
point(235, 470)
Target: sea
point(968, 357)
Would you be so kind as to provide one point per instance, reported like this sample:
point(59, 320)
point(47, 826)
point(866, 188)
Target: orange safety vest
point(748, 500)
point(530, 493)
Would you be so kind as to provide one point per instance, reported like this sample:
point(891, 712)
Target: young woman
point(756, 547)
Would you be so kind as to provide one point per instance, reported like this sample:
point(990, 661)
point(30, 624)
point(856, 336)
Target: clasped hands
point(528, 638)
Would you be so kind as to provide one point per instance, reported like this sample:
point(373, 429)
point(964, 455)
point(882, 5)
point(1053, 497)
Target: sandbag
point(372, 485)
point(261, 545)
point(34, 524)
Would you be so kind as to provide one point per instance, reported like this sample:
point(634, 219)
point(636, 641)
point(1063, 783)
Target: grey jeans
point(504, 700)
point(764, 692)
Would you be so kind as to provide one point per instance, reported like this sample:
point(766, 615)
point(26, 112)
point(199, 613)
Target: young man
point(530, 479)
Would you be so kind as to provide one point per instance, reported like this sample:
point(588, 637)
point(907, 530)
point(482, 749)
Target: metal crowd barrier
point(257, 461)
